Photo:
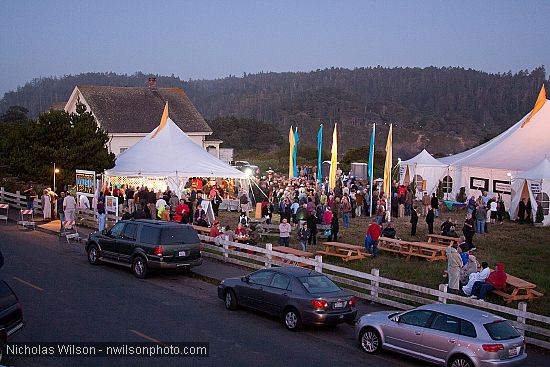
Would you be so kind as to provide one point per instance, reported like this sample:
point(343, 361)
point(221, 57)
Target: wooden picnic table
point(441, 240)
point(518, 289)
point(292, 251)
point(344, 251)
point(428, 251)
point(202, 230)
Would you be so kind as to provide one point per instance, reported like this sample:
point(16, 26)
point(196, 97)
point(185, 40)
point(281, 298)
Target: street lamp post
point(55, 171)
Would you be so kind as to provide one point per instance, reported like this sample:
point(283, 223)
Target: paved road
point(66, 299)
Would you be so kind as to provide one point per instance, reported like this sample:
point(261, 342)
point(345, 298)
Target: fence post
point(269, 248)
point(17, 199)
point(442, 288)
point(225, 251)
point(319, 263)
point(374, 283)
point(522, 306)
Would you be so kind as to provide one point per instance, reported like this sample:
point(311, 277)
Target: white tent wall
point(426, 166)
point(477, 179)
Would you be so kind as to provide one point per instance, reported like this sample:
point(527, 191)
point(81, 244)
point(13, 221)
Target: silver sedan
point(447, 335)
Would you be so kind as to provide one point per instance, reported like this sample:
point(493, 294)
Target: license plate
point(512, 352)
point(339, 304)
point(182, 253)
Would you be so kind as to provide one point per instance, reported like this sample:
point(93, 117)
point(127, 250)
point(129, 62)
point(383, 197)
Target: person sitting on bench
point(495, 280)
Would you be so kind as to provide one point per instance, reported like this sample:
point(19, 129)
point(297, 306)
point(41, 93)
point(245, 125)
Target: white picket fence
point(86, 217)
point(371, 286)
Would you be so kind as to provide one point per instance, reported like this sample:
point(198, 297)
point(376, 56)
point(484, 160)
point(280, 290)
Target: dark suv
point(146, 244)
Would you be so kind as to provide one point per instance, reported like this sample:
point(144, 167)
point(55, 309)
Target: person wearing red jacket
point(496, 280)
point(371, 239)
point(182, 210)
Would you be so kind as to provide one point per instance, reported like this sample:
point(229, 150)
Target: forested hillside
point(443, 109)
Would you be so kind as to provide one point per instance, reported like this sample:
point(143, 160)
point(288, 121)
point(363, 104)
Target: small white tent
point(425, 170)
point(168, 152)
point(532, 184)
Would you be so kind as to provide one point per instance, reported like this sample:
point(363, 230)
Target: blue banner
point(296, 139)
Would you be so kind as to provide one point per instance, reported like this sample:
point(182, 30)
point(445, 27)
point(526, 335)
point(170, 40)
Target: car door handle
point(452, 340)
point(285, 294)
point(417, 333)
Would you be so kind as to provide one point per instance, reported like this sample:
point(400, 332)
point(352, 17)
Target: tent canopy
point(425, 159)
point(516, 149)
point(539, 172)
point(168, 151)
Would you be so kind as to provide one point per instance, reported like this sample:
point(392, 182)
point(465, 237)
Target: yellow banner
point(333, 159)
point(291, 155)
point(387, 166)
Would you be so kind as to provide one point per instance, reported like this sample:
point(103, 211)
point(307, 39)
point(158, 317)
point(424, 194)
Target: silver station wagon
point(443, 334)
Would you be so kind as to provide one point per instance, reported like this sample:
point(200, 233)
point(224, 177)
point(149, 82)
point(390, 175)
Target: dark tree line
point(442, 109)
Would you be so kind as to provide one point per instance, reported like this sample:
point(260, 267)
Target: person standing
point(46, 205)
point(481, 214)
point(30, 195)
point(312, 225)
point(414, 221)
point(346, 210)
point(304, 235)
point(430, 217)
point(371, 238)
point(100, 214)
point(334, 229)
point(454, 264)
point(469, 230)
point(359, 200)
point(435, 205)
point(216, 202)
point(284, 232)
point(60, 212)
point(380, 212)
point(69, 207)
point(409, 198)
point(425, 203)
point(500, 209)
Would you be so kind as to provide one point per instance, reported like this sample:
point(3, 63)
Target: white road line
point(29, 284)
point(147, 337)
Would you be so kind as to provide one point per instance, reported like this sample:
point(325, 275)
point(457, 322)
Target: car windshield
point(180, 234)
point(501, 330)
point(318, 284)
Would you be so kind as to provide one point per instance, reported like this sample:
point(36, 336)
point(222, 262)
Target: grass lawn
point(524, 250)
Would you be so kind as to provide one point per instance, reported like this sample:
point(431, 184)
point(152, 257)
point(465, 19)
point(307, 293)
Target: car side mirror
point(395, 318)
point(244, 279)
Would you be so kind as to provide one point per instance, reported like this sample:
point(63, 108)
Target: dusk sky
point(212, 39)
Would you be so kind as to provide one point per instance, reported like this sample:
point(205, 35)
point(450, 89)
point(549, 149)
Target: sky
point(213, 39)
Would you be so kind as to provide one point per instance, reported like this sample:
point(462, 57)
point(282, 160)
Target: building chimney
point(152, 83)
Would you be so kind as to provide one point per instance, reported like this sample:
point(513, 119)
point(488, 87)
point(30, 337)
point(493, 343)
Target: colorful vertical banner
point(319, 154)
point(291, 163)
point(333, 159)
point(371, 164)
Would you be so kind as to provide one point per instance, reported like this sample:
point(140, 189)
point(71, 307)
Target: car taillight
point(158, 250)
point(352, 301)
point(319, 303)
point(491, 348)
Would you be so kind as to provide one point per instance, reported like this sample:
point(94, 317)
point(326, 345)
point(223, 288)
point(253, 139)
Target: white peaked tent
point(490, 166)
point(424, 170)
point(532, 184)
point(168, 152)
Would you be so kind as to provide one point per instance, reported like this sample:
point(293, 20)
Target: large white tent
point(424, 170)
point(169, 155)
point(532, 184)
point(492, 165)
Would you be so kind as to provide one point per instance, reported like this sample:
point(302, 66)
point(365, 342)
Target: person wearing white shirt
point(479, 276)
point(84, 202)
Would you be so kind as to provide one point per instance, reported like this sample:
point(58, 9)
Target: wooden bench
point(441, 240)
point(292, 251)
point(428, 251)
point(517, 289)
point(344, 251)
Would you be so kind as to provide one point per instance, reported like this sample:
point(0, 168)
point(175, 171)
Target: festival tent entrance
point(490, 166)
point(532, 184)
point(424, 170)
point(167, 157)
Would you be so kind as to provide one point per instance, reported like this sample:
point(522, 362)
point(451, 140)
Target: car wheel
point(139, 267)
point(292, 319)
point(460, 361)
point(230, 300)
point(93, 254)
point(369, 341)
